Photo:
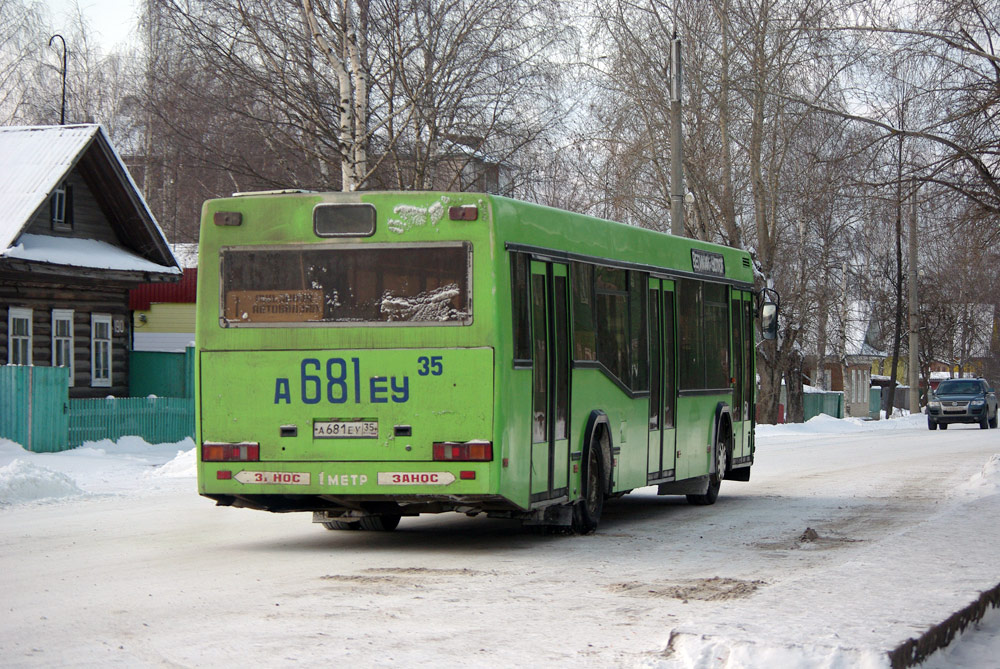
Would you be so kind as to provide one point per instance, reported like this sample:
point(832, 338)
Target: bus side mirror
point(769, 320)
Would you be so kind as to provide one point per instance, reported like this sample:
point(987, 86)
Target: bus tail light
point(218, 452)
point(469, 451)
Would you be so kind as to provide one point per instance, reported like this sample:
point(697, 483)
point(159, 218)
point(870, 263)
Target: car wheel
point(993, 422)
point(943, 426)
point(984, 422)
point(931, 425)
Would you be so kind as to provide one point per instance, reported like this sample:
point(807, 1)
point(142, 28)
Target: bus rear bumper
point(351, 507)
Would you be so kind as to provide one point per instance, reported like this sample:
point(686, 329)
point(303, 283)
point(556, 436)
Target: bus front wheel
point(715, 480)
point(587, 512)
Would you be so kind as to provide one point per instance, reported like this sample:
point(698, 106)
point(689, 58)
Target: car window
point(959, 387)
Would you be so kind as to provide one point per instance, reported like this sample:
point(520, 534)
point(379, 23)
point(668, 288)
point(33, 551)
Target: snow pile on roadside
point(183, 465)
point(697, 651)
point(987, 481)
point(102, 467)
point(21, 481)
point(826, 425)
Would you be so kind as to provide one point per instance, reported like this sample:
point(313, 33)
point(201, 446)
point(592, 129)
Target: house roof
point(34, 160)
point(860, 332)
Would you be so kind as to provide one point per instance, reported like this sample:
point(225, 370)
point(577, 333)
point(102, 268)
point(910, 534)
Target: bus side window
point(519, 309)
point(584, 337)
point(638, 284)
point(612, 322)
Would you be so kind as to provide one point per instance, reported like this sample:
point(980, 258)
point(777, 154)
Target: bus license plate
point(345, 429)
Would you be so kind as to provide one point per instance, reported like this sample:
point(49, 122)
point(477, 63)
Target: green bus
point(371, 355)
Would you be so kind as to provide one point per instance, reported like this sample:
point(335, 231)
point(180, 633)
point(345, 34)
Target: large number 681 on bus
point(370, 356)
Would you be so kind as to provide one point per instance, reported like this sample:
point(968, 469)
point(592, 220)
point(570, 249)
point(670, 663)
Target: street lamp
point(62, 108)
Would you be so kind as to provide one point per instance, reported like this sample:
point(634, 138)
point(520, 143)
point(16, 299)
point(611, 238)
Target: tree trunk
point(890, 396)
point(795, 406)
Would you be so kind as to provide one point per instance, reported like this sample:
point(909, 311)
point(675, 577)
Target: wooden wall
point(89, 222)
point(84, 298)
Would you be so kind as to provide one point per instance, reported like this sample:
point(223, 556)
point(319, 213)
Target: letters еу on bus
point(368, 356)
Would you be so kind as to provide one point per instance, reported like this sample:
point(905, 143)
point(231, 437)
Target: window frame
point(19, 313)
point(59, 315)
point(61, 207)
point(95, 380)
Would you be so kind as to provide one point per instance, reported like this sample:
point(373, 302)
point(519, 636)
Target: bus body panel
point(413, 398)
point(254, 380)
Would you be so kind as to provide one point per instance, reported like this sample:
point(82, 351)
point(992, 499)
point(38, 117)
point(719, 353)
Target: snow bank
point(21, 481)
point(183, 465)
point(987, 481)
point(696, 651)
point(824, 425)
point(127, 465)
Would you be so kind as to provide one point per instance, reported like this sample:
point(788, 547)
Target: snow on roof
point(858, 331)
point(81, 253)
point(33, 160)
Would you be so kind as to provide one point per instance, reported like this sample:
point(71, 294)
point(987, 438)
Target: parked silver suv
point(962, 401)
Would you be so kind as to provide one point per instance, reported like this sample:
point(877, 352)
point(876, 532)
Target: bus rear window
point(349, 284)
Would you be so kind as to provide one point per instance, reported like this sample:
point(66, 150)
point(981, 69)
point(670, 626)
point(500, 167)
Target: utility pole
point(676, 139)
point(914, 375)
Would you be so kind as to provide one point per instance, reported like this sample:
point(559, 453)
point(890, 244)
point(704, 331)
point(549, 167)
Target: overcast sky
point(111, 21)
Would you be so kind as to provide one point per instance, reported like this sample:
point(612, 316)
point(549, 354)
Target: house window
point(61, 205)
point(19, 336)
point(62, 340)
point(100, 350)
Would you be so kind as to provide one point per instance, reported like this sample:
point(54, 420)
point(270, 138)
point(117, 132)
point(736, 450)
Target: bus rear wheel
point(587, 512)
point(714, 480)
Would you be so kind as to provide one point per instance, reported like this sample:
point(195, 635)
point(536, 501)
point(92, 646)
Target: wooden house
point(846, 365)
point(75, 236)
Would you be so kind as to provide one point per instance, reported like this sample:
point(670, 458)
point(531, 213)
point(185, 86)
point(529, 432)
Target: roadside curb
point(915, 650)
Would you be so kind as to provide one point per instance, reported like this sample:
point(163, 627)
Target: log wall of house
point(84, 298)
point(89, 222)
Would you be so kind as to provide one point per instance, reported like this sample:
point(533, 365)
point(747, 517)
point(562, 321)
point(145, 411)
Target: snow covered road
point(850, 539)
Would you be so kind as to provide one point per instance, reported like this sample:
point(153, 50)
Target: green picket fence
point(155, 419)
point(830, 403)
point(33, 406)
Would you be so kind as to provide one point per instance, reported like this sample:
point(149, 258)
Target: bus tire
point(340, 525)
point(715, 480)
point(587, 512)
point(385, 522)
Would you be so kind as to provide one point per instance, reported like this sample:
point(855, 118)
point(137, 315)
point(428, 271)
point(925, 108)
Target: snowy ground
point(851, 538)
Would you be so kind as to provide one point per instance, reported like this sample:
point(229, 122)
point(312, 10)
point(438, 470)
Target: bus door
point(550, 384)
point(736, 371)
point(662, 448)
point(741, 318)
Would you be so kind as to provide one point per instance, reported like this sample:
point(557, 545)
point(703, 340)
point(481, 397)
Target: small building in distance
point(163, 314)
